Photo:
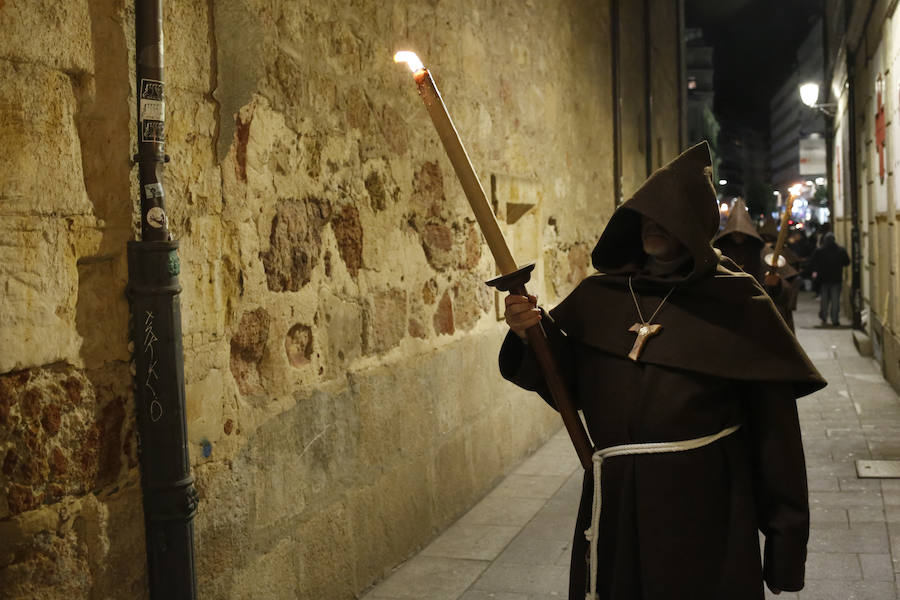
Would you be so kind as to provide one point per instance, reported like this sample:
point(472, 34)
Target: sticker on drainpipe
point(152, 111)
point(153, 191)
point(156, 217)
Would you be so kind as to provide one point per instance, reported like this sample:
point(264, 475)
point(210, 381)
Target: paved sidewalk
point(515, 543)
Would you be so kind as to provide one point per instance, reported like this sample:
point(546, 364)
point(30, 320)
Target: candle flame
point(410, 59)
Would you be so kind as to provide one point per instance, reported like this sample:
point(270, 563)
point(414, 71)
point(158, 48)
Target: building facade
point(863, 60)
point(702, 123)
point(791, 121)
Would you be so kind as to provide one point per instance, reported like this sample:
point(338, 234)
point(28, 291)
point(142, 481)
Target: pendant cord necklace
point(645, 329)
point(638, 306)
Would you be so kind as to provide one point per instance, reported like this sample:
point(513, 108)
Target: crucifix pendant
point(644, 331)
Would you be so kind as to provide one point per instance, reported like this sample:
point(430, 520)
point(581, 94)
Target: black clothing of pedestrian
point(828, 262)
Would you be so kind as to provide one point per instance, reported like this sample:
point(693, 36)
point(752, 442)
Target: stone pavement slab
point(515, 543)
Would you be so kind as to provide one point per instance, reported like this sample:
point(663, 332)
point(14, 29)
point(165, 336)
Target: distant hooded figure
point(784, 293)
point(828, 262)
point(768, 231)
point(687, 379)
point(740, 242)
point(769, 234)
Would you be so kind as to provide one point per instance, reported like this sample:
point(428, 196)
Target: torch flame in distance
point(411, 60)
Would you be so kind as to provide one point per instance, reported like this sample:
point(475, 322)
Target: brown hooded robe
point(682, 525)
point(746, 253)
point(749, 255)
point(786, 293)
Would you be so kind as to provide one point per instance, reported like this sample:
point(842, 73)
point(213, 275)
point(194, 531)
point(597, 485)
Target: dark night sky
point(755, 42)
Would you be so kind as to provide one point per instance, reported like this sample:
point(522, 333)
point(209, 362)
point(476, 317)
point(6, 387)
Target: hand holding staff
point(521, 313)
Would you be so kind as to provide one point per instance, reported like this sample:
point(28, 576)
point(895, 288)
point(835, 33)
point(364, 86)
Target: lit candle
point(460, 161)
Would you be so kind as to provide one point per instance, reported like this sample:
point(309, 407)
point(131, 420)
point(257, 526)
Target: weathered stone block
point(295, 243)
point(343, 326)
point(206, 279)
point(417, 329)
point(437, 241)
point(378, 507)
point(205, 400)
point(443, 316)
point(101, 310)
point(55, 34)
point(429, 291)
point(349, 234)
point(248, 344)
point(188, 66)
point(579, 257)
point(454, 462)
point(92, 545)
point(52, 445)
point(471, 300)
point(227, 487)
point(298, 345)
point(428, 191)
point(40, 153)
point(378, 195)
point(193, 180)
point(37, 312)
point(386, 320)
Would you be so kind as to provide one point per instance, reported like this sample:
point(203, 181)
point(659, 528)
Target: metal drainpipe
point(855, 251)
point(169, 497)
point(648, 90)
point(682, 78)
point(827, 77)
point(617, 109)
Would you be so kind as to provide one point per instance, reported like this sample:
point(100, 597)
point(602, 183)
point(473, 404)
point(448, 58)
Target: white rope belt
point(625, 449)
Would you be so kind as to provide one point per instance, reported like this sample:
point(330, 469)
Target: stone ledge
point(863, 343)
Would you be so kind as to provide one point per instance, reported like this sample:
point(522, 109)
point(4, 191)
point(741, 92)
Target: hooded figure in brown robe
point(740, 242)
point(786, 291)
point(679, 525)
point(769, 234)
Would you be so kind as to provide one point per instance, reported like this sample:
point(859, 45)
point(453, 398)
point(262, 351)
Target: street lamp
point(809, 94)
point(723, 181)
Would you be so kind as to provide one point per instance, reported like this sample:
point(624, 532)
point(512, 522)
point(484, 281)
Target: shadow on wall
point(114, 536)
point(104, 128)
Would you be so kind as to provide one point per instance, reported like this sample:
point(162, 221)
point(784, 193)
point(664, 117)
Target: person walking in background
point(828, 262)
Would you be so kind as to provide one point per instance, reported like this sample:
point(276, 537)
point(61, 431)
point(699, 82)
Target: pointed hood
point(680, 197)
point(769, 229)
point(739, 222)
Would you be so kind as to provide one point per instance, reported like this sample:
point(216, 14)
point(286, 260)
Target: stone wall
point(874, 44)
point(343, 402)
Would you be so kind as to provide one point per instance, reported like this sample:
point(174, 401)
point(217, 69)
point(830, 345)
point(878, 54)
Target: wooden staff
point(782, 237)
point(513, 278)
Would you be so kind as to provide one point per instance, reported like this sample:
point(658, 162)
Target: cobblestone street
point(515, 543)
